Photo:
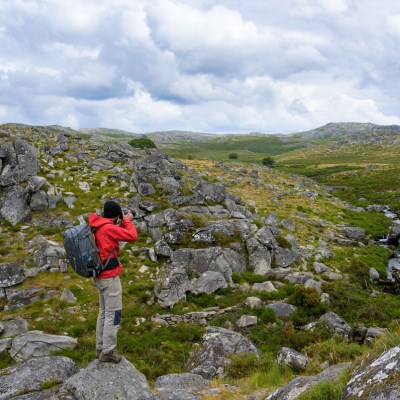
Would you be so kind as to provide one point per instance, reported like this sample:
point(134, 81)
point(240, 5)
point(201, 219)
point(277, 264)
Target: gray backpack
point(81, 251)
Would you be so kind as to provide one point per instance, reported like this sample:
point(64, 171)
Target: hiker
point(113, 227)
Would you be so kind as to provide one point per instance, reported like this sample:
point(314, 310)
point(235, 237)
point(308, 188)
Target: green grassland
point(250, 148)
point(359, 174)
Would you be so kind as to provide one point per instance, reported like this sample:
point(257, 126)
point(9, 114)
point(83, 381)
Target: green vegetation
point(250, 148)
point(268, 162)
point(233, 156)
point(326, 390)
point(142, 143)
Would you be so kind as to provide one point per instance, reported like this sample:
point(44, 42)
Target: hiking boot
point(113, 357)
point(98, 352)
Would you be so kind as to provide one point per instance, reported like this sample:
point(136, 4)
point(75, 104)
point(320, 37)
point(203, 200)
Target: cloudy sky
point(231, 66)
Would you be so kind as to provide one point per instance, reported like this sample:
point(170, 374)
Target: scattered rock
point(336, 325)
point(282, 310)
point(293, 358)
point(246, 321)
point(67, 296)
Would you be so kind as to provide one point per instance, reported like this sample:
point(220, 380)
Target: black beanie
point(112, 209)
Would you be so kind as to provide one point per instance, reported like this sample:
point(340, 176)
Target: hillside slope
point(212, 235)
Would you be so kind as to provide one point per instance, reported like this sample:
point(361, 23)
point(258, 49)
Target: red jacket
point(107, 237)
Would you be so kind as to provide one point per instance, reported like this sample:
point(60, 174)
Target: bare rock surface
point(101, 381)
point(30, 375)
point(377, 380)
point(38, 344)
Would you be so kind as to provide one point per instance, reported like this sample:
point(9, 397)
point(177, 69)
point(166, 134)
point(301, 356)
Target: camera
point(126, 210)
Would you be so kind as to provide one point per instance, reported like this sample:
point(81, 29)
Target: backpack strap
point(110, 263)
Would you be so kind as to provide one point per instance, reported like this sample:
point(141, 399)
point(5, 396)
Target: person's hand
point(129, 215)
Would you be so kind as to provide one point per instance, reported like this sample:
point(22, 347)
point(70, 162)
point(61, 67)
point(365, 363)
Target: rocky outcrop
point(100, 381)
point(217, 344)
point(376, 379)
point(21, 190)
point(29, 376)
point(215, 264)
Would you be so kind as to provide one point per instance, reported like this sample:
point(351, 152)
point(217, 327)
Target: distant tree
point(142, 143)
point(233, 156)
point(268, 161)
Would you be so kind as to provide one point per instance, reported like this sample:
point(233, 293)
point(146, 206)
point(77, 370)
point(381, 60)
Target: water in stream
point(395, 261)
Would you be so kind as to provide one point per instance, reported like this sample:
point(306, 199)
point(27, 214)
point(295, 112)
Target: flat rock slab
point(30, 375)
point(101, 381)
point(175, 395)
point(188, 382)
point(38, 344)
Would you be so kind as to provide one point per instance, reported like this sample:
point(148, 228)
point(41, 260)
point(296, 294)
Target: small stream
point(395, 261)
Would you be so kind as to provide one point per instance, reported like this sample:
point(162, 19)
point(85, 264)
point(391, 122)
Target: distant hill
point(334, 129)
point(180, 136)
point(114, 133)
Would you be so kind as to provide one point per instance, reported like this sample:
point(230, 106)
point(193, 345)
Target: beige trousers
point(109, 318)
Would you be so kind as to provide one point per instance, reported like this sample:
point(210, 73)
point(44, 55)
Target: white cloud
point(393, 25)
point(212, 65)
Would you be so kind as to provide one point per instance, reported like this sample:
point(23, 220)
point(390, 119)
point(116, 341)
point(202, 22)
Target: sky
point(221, 66)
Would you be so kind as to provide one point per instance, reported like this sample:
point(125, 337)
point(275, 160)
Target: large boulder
point(217, 344)
point(336, 325)
point(215, 259)
point(171, 285)
point(211, 192)
point(30, 375)
point(209, 282)
point(10, 275)
point(101, 381)
point(20, 162)
point(376, 379)
point(283, 257)
point(15, 206)
point(353, 233)
point(39, 344)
